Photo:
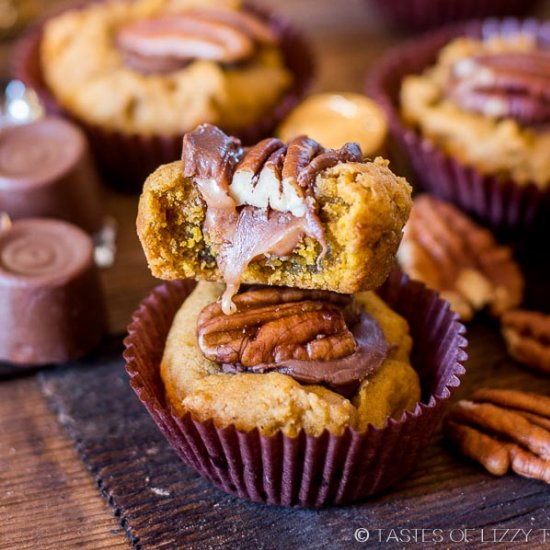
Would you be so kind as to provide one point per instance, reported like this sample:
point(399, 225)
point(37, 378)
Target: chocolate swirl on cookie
point(169, 42)
point(258, 201)
point(316, 337)
point(508, 85)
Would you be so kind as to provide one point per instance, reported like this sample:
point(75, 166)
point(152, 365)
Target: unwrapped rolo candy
point(51, 303)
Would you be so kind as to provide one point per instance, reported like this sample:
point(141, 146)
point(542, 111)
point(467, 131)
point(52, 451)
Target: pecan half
point(257, 155)
point(527, 336)
point(257, 178)
point(503, 430)
point(316, 337)
point(167, 42)
point(246, 22)
point(274, 325)
point(300, 152)
point(513, 84)
point(450, 253)
point(350, 152)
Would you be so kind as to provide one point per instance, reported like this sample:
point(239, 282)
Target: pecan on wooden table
point(504, 430)
point(527, 336)
point(447, 251)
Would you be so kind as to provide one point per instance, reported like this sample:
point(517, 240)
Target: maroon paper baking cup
point(509, 207)
point(305, 470)
point(420, 15)
point(125, 160)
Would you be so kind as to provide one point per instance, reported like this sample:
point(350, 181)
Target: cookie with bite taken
point(293, 214)
point(312, 226)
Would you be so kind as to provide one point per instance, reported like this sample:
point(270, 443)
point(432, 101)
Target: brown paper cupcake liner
point(305, 470)
point(420, 15)
point(125, 160)
point(505, 205)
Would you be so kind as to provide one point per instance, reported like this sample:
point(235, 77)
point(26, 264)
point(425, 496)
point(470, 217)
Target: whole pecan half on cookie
point(512, 84)
point(447, 251)
point(169, 42)
point(504, 430)
point(314, 336)
point(276, 324)
point(527, 337)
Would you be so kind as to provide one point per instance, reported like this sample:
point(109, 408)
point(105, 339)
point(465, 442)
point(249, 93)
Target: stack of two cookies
point(319, 224)
point(295, 349)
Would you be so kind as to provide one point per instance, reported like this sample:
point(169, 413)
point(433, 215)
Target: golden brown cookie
point(274, 401)
point(478, 114)
point(363, 207)
point(118, 84)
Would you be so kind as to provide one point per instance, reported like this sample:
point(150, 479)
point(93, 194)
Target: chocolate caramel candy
point(334, 119)
point(51, 304)
point(46, 171)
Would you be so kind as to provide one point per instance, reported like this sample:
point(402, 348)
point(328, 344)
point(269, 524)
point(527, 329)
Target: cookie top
point(276, 400)
point(487, 103)
point(163, 66)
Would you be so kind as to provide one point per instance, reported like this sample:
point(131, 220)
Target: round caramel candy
point(51, 304)
point(46, 171)
point(334, 119)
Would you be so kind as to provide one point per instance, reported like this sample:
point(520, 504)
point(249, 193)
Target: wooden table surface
point(47, 497)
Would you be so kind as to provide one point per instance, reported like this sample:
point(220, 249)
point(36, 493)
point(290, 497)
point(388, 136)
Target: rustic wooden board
point(48, 500)
point(162, 503)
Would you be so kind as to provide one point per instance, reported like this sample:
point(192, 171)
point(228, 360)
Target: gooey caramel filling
point(258, 201)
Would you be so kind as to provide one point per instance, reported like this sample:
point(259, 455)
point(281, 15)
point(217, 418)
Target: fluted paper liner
point(304, 470)
point(419, 15)
point(125, 160)
point(507, 206)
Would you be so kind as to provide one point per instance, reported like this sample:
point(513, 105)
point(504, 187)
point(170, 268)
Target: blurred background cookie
point(142, 73)
point(468, 111)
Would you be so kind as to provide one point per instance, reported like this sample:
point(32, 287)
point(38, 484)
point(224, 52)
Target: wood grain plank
point(48, 500)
